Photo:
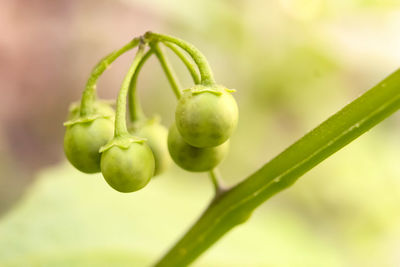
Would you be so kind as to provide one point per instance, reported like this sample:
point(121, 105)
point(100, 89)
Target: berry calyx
point(127, 163)
point(100, 107)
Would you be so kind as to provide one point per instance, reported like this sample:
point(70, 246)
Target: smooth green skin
point(206, 119)
point(192, 158)
point(82, 142)
point(128, 169)
point(156, 135)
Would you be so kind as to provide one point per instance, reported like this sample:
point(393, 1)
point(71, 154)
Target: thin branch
point(169, 72)
point(120, 115)
point(89, 94)
point(200, 60)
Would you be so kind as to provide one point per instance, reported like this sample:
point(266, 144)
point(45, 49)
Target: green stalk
point(200, 60)
point(135, 110)
point(169, 72)
point(136, 113)
point(89, 94)
point(188, 64)
point(235, 206)
point(120, 116)
point(215, 177)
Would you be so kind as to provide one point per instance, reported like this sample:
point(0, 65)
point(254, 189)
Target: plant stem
point(216, 178)
point(188, 64)
point(89, 94)
point(236, 205)
point(120, 116)
point(169, 72)
point(135, 110)
point(200, 60)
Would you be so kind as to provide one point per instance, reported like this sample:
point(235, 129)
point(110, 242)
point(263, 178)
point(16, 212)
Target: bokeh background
point(293, 63)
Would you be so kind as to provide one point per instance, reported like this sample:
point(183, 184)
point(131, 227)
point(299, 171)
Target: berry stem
point(89, 94)
point(120, 116)
point(215, 176)
point(169, 72)
point(191, 68)
point(200, 60)
point(135, 110)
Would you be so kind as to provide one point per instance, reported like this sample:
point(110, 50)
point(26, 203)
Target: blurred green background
point(292, 62)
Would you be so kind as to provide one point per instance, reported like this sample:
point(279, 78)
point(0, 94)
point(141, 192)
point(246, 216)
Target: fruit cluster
point(97, 138)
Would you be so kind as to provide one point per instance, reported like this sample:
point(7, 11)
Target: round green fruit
point(206, 117)
point(192, 158)
point(156, 135)
point(128, 169)
point(82, 141)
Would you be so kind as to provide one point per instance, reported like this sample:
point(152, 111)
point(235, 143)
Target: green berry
point(192, 158)
point(83, 139)
point(206, 116)
point(156, 135)
point(128, 167)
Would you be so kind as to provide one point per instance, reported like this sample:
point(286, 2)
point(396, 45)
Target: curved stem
point(120, 116)
point(201, 61)
point(236, 205)
point(188, 64)
point(135, 110)
point(89, 94)
point(169, 72)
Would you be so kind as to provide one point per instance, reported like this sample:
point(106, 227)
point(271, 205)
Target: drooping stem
point(169, 72)
point(236, 205)
point(136, 113)
point(200, 60)
point(89, 94)
point(191, 68)
point(120, 116)
point(135, 110)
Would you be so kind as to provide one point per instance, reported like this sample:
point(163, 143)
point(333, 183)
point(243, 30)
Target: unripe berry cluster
point(97, 138)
